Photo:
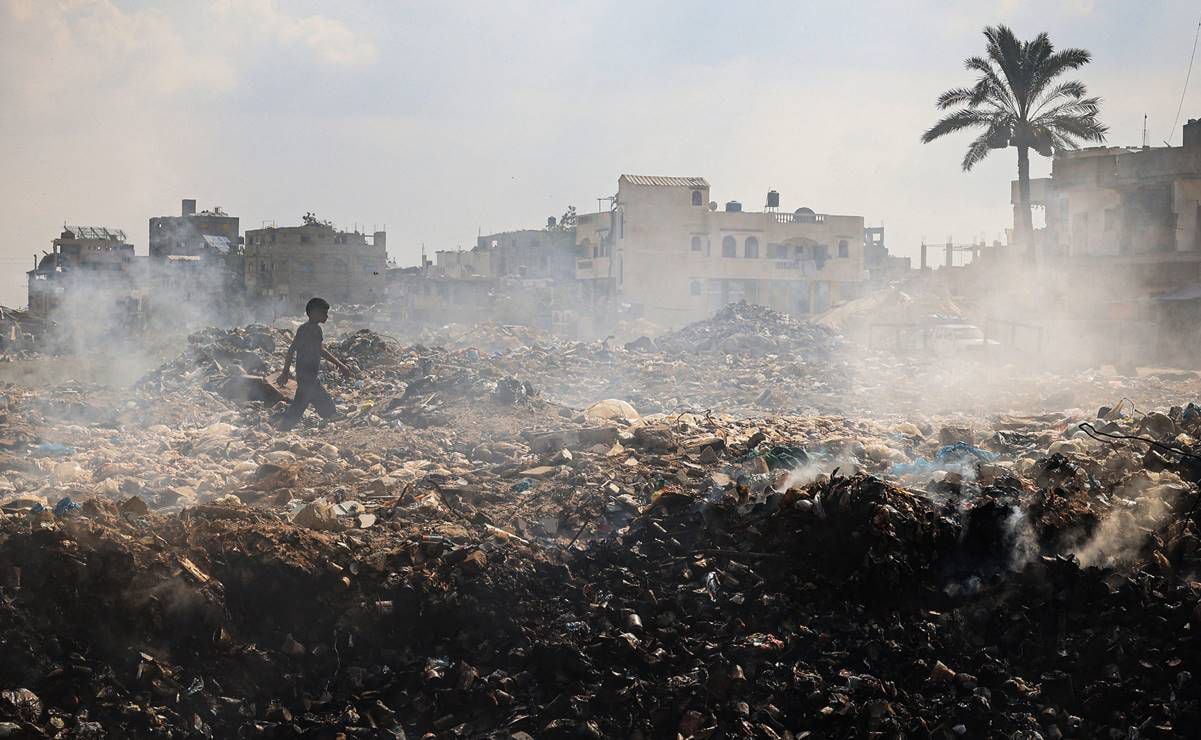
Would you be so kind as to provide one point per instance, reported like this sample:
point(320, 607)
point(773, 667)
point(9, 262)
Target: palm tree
point(1016, 102)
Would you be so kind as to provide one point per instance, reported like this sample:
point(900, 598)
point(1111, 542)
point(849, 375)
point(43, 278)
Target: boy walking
point(306, 348)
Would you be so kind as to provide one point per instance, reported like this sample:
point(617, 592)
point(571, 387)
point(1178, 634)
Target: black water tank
point(773, 199)
point(733, 206)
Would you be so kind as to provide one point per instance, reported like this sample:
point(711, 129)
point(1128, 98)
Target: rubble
point(511, 544)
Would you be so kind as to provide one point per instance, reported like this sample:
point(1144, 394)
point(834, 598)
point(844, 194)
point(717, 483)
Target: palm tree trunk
point(1023, 223)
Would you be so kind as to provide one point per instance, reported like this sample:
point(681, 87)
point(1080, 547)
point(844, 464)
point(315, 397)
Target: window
point(697, 244)
point(843, 249)
point(729, 247)
point(697, 198)
point(752, 247)
point(695, 288)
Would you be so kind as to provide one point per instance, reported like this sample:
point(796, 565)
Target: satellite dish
point(712, 205)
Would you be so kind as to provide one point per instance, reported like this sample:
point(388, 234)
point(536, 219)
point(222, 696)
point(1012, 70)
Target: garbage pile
point(486, 336)
point(549, 542)
point(514, 568)
point(749, 329)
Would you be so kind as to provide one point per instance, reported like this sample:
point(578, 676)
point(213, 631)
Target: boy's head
point(317, 309)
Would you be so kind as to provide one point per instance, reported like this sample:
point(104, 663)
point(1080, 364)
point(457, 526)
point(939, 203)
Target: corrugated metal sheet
point(219, 243)
point(96, 232)
point(666, 182)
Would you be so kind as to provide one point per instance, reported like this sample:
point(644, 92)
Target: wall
point(181, 234)
point(314, 260)
point(1108, 201)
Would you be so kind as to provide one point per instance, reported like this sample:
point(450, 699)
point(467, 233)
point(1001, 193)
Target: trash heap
point(514, 568)
point(500, 544)
point(486, 336)
point(749, 329)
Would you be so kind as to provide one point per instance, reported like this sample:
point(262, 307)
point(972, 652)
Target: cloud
point(329, 40)
point(86, 45)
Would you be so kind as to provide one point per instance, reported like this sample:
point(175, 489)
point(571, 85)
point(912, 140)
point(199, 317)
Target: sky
point(440, 121)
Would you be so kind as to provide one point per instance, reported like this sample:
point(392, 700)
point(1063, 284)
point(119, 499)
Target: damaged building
point(1126, 221)
point(208, 234)
point(539, 254)
point(672, 254)
point(286, 266)
point(81, 254)
point(196, 254)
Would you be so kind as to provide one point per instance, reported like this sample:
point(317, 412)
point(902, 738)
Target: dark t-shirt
point(308, 350)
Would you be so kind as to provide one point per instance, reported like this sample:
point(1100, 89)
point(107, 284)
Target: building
point(287, 266)
point(665, 249)
point(548, 253)
point(882, 266)
point(92, 255)
point(206, 234)
point(1140, 204)
point(1121, 247)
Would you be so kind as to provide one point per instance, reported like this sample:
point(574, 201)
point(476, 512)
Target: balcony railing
point(800, 218)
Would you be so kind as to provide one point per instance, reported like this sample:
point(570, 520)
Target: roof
point(219, 243)
point(96, 232)
point(665, 182)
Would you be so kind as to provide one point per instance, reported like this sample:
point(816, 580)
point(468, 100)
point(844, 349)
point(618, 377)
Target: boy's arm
point(337, 363)
point(287, 371)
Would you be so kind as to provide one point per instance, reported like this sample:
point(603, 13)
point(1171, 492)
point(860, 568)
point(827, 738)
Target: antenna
point(1187, 76)
point(1144, 131)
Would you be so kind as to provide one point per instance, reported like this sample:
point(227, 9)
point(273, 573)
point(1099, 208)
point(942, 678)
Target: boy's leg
point(322, 402)
point(296, 409)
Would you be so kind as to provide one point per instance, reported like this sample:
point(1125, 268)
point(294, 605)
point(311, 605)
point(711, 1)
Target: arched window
point(697, 244)
point(729, 247)
point(752, 247)
point(843, 249)
point(697, 199)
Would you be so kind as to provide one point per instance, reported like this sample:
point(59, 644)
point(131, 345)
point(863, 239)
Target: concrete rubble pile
point(472, 551)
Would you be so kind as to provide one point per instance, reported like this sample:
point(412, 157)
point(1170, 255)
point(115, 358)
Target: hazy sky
point(444, 119)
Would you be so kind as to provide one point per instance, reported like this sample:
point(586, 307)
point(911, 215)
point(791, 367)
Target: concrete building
point(206, 234)
point(96, 255)
point(529, 253)
point(1120, 201)
point(1121, 246)
point(670, 253)
point(287, 266)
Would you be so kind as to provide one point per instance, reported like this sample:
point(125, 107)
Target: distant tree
point(567, 220)
point(310, 219)
point(1016, 102)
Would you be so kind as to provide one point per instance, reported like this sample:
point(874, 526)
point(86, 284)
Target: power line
point(1191, 56)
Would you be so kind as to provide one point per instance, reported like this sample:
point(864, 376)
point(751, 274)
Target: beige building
point(670, 253)
point(287, 266)
point(529, 253)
